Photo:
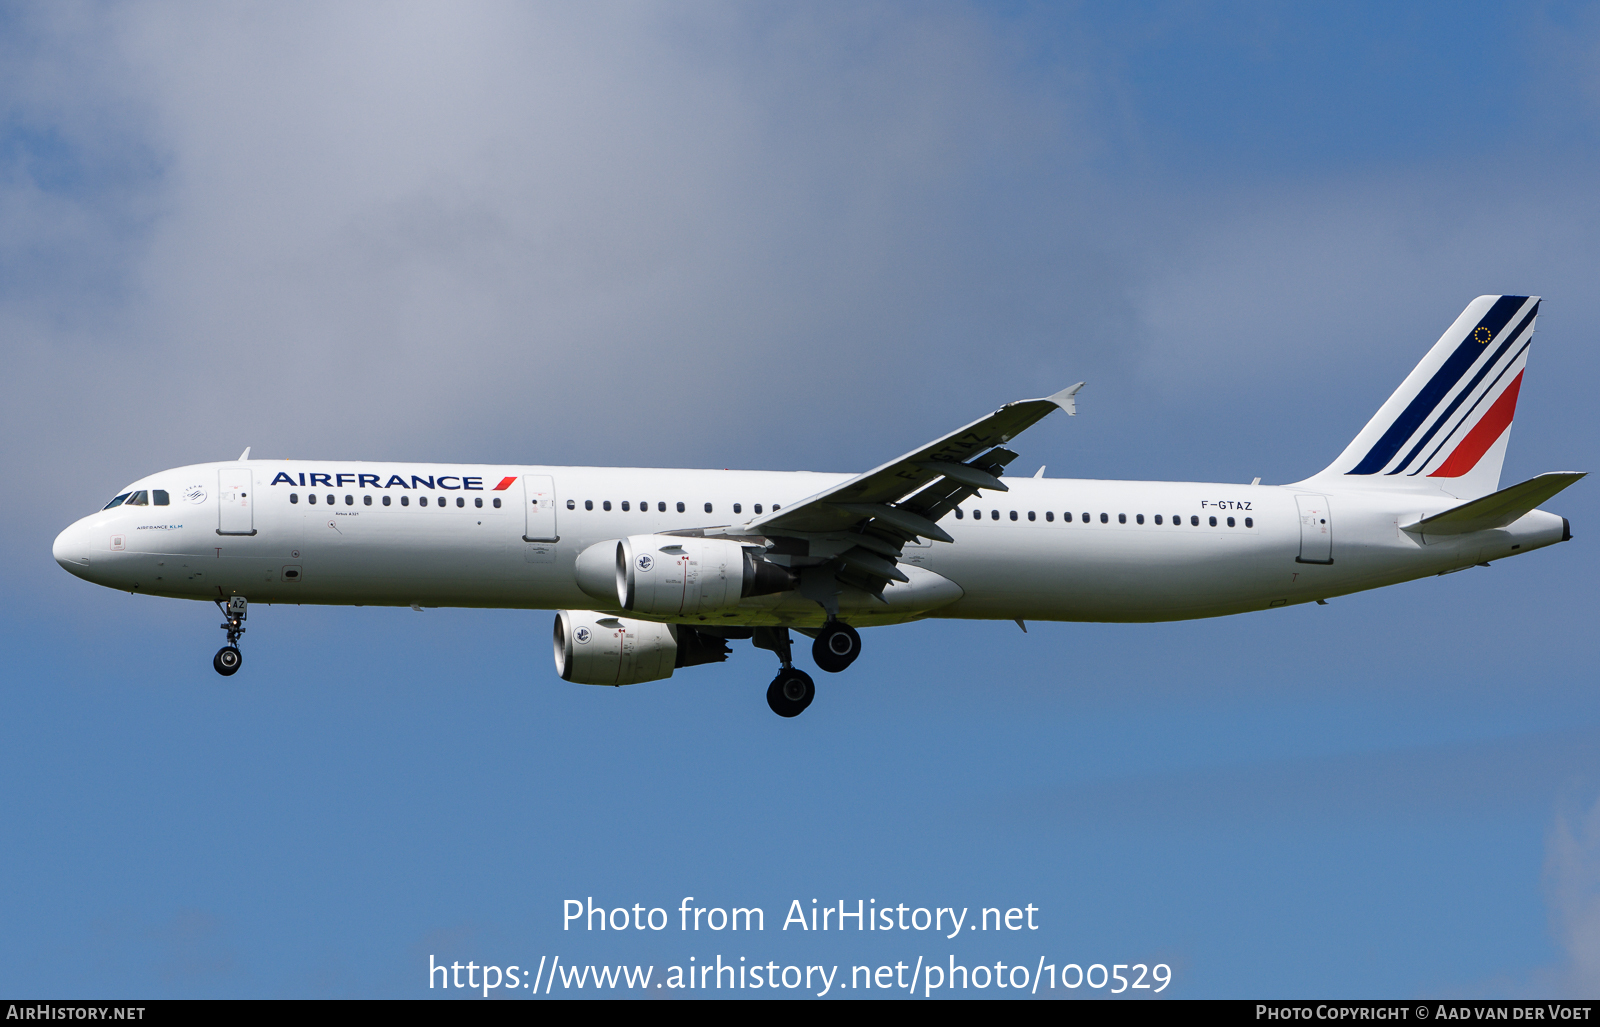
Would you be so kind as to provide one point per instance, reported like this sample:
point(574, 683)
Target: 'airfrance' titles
point(370, 481)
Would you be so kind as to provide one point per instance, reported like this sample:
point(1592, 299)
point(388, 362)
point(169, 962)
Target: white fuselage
point(1149, 551)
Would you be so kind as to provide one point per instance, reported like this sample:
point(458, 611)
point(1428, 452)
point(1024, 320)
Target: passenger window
point(118, 501)
point(1249, 522)
point(588, 504)
point(662, 508)
point(1031, 516)
point(680, 508)
point(1049, 515)
point(422, 500)
point(625, 506)
point(330, 500)
point(349, 500)
point(1230, 522)
point(311, 497)
point(737, 508)
point(1194, 522)
point(1104, 519)
point(461, 501)
point(758, 508)
point(572, 504)
point(477, 501)
point(1122, 518)
point(294, 497)
point(1013, 515)
point(994, 515)
point(959, 514)
point(1177, 519)
point(161, 497)
point(1139, 519)
point(1158, 518)
point(1086, 517)
point(385, 500)
point(1213, 522)
point(776, 508)
point(605, 504)
point(497, 503)
point(366, 500)
point(405, 500)
point(708, 508)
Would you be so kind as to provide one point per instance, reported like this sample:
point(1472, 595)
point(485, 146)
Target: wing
point(871, 516)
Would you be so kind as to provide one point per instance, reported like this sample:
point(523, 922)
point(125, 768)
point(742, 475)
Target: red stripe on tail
point(1483, 434)
point(505, 483)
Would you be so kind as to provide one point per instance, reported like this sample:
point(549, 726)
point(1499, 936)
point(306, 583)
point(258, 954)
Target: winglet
point(245, 455)
point(1064, 399)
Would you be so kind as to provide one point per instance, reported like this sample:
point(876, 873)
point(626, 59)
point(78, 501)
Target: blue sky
point(526, 233)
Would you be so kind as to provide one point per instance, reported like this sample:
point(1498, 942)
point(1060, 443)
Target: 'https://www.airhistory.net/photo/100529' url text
point(920, 975)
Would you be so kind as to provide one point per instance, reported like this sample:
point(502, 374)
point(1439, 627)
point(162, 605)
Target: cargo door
point(235, 504)
point(1316, 530)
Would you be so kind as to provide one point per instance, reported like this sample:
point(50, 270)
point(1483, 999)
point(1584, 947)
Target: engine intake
point(675, 576)
point(601, 649)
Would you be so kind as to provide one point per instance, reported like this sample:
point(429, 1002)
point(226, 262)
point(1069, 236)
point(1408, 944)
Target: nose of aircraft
point(71, 550)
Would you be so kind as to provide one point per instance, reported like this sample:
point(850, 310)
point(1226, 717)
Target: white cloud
point(1572, 884)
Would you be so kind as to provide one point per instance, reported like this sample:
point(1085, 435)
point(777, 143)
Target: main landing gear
point(836, 647)
point(791, 691)
point(229, 658)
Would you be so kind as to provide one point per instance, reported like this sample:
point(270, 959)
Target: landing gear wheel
point(836, 647)
point(790, 692)
point(227, 660)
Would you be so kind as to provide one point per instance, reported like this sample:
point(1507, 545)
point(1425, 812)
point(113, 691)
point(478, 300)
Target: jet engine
point(601, 649)
point(677, 576)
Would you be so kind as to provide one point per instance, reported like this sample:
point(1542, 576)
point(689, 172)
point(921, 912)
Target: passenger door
point(235, 504)
point(539, 508)
point(1316, 530)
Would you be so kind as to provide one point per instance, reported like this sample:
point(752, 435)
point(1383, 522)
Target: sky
point(790, 237)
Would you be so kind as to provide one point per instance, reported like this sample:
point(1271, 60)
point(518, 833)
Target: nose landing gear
point(229, 658)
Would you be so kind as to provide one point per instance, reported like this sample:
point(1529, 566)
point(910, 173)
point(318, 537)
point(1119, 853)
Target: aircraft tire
point(836, 647)
point(228, 660)
point(791, 692)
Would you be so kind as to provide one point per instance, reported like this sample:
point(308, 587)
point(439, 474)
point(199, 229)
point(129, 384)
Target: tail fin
point(1446, 427)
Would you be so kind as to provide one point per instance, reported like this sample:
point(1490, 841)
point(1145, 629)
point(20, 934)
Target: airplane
point(652, 570)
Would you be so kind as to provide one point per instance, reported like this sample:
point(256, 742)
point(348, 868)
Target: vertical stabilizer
point(1446, 427)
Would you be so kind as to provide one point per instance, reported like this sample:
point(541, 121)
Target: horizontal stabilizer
point(1497, 509)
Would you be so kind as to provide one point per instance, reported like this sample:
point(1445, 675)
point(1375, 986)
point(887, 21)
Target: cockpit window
point(160, 497)
point(118, 501)
point(140, 498)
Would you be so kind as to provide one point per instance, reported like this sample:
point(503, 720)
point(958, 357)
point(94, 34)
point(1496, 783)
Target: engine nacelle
point(602, 649)
point(677, 576)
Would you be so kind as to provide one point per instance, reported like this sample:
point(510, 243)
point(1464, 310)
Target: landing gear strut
point(792, 690)
point(836, 647)
point(228, 658)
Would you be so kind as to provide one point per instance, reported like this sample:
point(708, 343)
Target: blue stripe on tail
point(1438, 387)
point(1461, 396)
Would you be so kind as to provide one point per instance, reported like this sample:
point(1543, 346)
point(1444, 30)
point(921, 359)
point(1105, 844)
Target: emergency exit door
point(539, 508)
point(1316, 530)
point(235, 503)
